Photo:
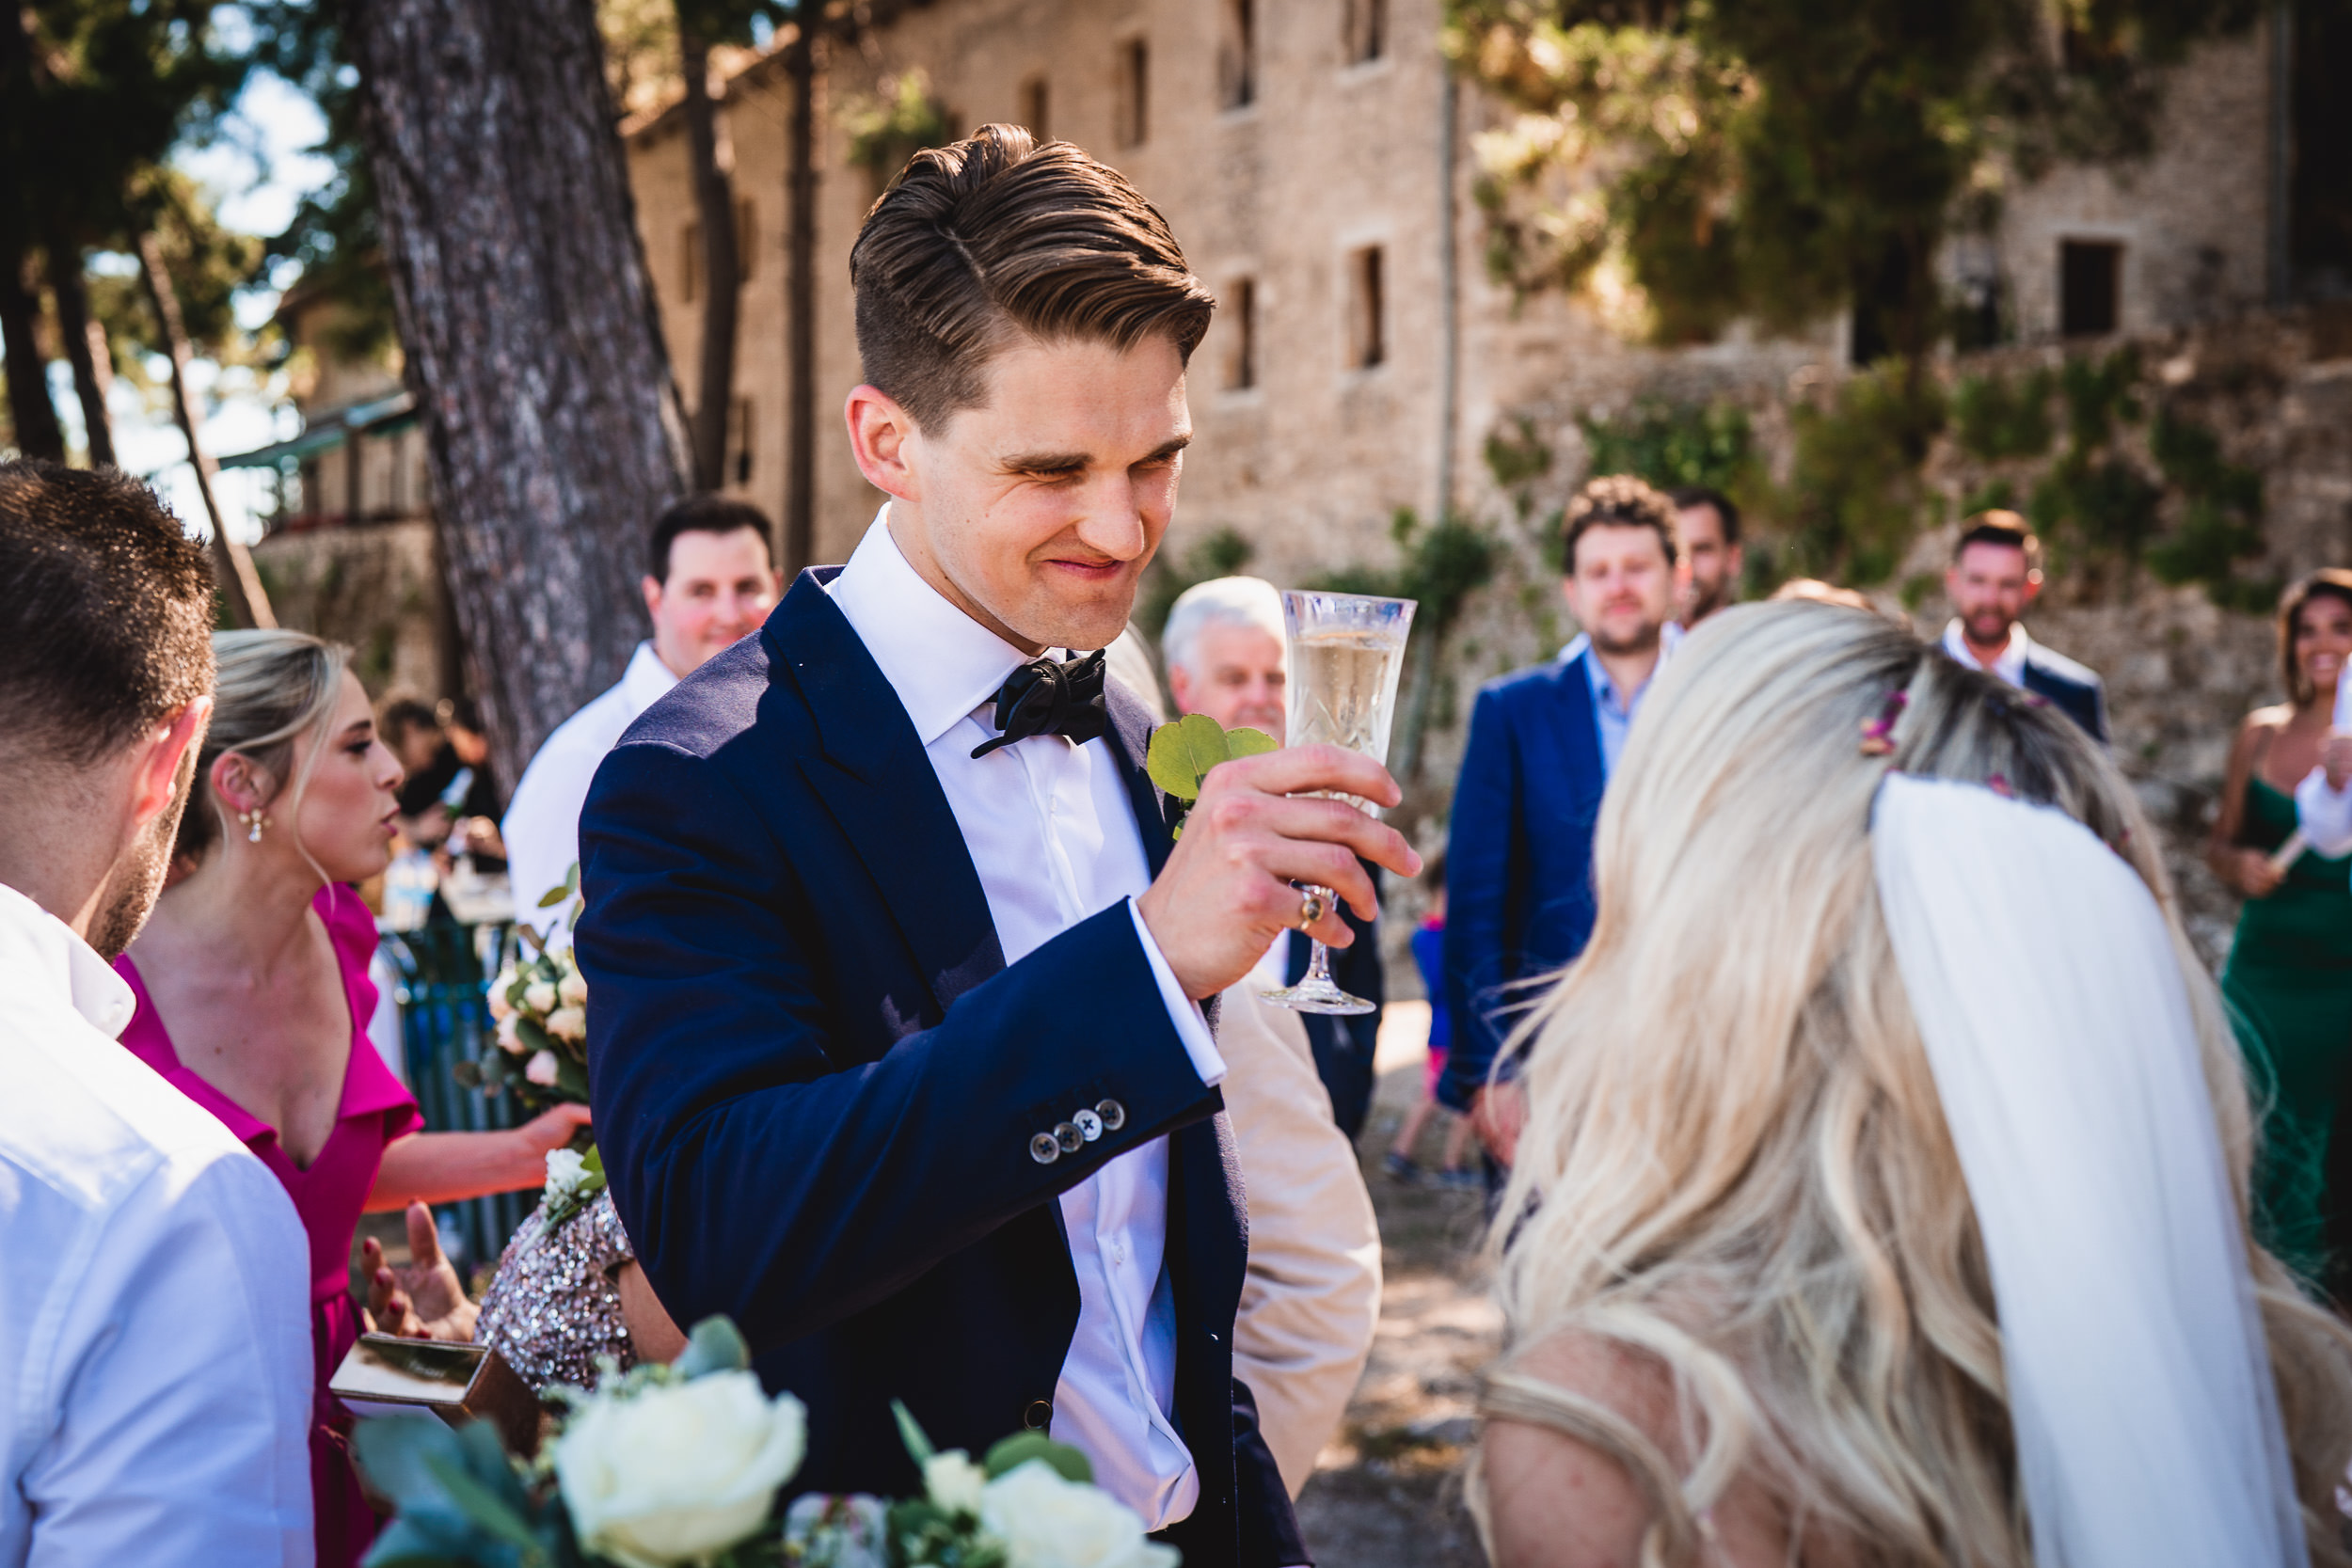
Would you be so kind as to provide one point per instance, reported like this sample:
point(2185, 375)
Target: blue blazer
point(1518, 877)
point(818, 1085)
point(2068, 686)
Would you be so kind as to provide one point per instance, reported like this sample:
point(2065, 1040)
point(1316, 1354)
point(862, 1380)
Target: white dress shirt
point(542, 826)
point(154, 1294)
point(1052, 832)
point(2011, 664)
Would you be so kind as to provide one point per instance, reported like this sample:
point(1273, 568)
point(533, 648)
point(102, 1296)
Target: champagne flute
point(1347, 651)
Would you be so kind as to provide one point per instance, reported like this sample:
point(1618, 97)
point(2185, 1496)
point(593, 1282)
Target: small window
point(738, 462)
point(690, 263)
point(1241, 348)
point(2090, 287)
point(1237, 56)
point(746, 239)
point(1036, 108)
point(1134, 92)
point(1365, 29)
point(1367, 309)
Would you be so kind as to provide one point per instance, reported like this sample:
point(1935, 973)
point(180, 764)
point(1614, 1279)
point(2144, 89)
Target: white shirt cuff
point(2325, 814)
point(1192, 1026)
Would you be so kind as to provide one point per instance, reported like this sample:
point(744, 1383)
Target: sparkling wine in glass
point(1347, 651)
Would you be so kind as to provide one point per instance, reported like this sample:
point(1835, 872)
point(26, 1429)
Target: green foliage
point(1670, 445)
point(2221, 521)
point(1518, 459)
point(1022, 1447)
point(1856, 499)
point(458, 1499)
point(901, 120)
point(1221, 553)
point(2099, 395)
point(1183, 751)
point(1994, 418)
point(1439, 566)
point(1776, 160)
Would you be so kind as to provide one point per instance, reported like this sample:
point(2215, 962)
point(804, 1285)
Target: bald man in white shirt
point(154, 1296)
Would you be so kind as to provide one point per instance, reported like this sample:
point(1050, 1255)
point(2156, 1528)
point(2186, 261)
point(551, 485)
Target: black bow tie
point(1047, 697)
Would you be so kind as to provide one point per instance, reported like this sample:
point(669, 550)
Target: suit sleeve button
point(1067, 1134)
point(1114, 1115)
point(1089, 1125)
point(1039, 1416)
point(1045, 1149)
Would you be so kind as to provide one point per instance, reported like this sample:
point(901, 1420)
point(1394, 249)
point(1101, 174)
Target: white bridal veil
point(2057, 1027)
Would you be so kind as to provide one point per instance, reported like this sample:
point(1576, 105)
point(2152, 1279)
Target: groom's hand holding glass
point(1228, 889)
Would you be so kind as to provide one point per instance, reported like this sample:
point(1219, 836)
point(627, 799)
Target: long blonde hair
point(1735, 1163)
point(275, 690)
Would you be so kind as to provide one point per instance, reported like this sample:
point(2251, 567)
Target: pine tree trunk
point(86, 349)
point(239, 583)
point(531, 338)
point(800, 282)
point(31, 414)
point(714, 200)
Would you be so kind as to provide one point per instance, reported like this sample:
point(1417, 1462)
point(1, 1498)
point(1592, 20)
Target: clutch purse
point(383, 1375)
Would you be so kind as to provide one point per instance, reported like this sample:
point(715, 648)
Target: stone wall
point(374, 588)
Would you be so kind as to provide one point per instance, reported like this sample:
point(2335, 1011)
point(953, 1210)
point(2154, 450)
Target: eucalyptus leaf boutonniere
point(1181, 754)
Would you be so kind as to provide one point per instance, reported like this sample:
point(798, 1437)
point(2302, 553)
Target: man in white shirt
point(892, 960)
point(1995, 572)
point(1311, 1298)
point(154, 1302)
point(708, 584)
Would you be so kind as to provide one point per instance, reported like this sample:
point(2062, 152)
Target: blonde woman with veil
point(1882, 1196)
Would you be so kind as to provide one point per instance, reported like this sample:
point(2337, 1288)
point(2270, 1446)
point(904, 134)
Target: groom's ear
point(879, 431)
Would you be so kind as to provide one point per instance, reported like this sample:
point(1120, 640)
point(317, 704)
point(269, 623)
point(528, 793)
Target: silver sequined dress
point(552, 1307)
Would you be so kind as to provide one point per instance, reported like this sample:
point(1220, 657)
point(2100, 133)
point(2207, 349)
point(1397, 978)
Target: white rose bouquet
point(668, 1467)
point(539, 1004)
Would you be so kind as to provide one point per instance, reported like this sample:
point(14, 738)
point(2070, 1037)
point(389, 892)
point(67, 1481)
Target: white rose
point(851, 1532)
point(511, 1034)
point(954, 1483)
point(1046, 1522)
point(499, 1006)
point(540, 1070)
point(568, 1024)
point(564, 1167)
point(678, 1472)
point(572, 991)
point(539, 996)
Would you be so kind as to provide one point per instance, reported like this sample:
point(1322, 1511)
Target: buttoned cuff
point(1192, 1026)
point(2325, 814)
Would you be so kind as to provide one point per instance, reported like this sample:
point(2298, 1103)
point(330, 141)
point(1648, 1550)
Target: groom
point(894, 1029)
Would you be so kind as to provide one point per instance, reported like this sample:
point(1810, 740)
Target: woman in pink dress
point(254, 999)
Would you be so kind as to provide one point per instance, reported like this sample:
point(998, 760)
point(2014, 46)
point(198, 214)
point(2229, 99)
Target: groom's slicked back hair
point(999, 235)
point(106, 616)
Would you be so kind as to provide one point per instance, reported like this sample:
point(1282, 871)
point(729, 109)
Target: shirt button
point(1067, 1134)
point(1039, 1416)
point(1119, 1252)
point(1045, 1149)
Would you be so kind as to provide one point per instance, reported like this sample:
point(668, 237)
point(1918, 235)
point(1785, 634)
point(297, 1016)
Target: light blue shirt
point(1613, 710)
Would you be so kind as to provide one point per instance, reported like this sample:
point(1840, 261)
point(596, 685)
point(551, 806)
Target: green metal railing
point(445, 970)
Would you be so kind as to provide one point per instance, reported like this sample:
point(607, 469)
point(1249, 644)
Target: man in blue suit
point(1541, 745)
point(894, 970)
point(1995, 572)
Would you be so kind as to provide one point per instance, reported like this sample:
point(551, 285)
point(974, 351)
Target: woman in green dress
point(2290, 967)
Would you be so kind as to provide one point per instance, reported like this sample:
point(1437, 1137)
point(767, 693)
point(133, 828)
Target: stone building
point(1315, 159)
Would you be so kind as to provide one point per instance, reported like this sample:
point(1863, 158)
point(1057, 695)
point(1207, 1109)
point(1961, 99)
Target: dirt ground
point(1388, 1492)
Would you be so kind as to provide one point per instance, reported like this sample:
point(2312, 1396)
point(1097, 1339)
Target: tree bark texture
point(714, 202)
point(86, 349)
point(240, 584)
point(32, 416)
point(531, 337)
point(800, 282)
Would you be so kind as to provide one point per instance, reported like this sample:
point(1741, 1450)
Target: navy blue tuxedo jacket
point(816, 1082)
point(1518, 877)
point(2070, 688)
